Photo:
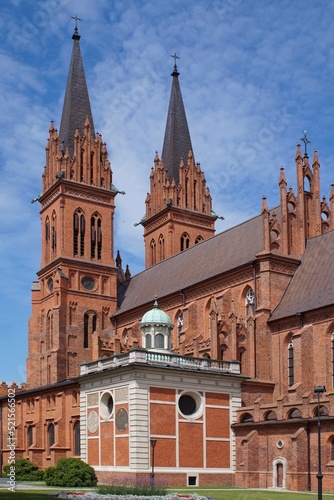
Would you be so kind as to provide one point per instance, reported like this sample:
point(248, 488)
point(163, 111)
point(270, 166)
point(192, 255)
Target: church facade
point(220, 390)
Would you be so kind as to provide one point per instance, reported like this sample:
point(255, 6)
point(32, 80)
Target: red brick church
point(218, 372)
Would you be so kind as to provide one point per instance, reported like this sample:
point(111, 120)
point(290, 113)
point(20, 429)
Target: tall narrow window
point(30, 435)
point(86, 320)
point(161, 242)
point(291, 376)
point(332, 448)
point(78, 234)
point(76, 430)
point(96, 237)
point(54, 232)
point(51, 434)
point(47, 229)
point(153, 252)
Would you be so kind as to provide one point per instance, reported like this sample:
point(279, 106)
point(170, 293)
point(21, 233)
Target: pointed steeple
point(177, 142)
point(76, 103)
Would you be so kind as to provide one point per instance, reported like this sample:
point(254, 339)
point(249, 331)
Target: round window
point(107, 405)
point(88, 283)
point(190, 404)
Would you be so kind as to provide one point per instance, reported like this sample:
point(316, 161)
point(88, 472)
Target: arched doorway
point(279, 472)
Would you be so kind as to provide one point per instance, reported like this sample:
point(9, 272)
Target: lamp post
point(319, 390)
point(153, 442)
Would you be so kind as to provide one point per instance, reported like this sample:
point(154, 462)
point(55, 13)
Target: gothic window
point(159, 341)
point(49, 331)
point(153, 252)
point(270, 415)
point(185, 241)
point(161, 242)
point(54, 232)
point(180, 322)
point(79, 233)
point(198, 239)
point(51, 434)
point(30, 435)
point(90, 324)
point(250, 301)
point(96, 237)
point(291, 376)
point(76, 432)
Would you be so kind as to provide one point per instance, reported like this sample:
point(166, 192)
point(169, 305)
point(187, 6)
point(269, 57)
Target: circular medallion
point(93, 421)
point(280, 444)
point(122, 419)
point(88, 283)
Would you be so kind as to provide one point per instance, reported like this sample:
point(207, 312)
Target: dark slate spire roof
point(76, 103)
point(177, 142)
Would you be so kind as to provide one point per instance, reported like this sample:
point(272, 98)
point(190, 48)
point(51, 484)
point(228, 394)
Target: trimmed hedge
point(70, 472)
point(25, 470)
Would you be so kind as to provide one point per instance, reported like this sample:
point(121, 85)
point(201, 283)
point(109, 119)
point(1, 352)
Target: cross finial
point(306, 142)
point(76, 19)
point(175, 57)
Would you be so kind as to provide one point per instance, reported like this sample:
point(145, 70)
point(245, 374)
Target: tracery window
point(185, 241)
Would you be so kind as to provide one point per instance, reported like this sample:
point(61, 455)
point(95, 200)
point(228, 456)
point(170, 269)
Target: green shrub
point(70, 472)
point(25, 470)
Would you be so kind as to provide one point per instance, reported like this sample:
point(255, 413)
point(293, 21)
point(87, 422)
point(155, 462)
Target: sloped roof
point(76, 102)
point(177, 142)
point(226, 251)
point(312, 285)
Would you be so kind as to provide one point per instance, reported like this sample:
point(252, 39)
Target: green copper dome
point(156, 316)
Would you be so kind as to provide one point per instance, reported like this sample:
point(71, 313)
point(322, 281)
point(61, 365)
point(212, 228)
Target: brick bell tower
point(75, 294)
point(178, 207)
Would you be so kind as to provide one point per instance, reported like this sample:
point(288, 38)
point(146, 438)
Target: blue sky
point(254, 75)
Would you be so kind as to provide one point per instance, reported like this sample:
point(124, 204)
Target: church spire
point(177, 142)
point(76, 103)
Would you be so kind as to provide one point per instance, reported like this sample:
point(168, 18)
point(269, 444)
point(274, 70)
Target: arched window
point(54, 233)
point(270, 415)
point(153, 247)
point(148, 341)
point(323, 411)
point(332, 447)
point(47, 229)
point(159, 341)
point(295, 413)
point(81, 165)
point(246, 417)
point(79, 233)
point(49, 331)
point(90, 325)
point(51, 435)
point(96, 237)
point(291, 376)
point(250, 301)
point(76, 432)
point(185, 242)
point(198, 239)
point(161, 242)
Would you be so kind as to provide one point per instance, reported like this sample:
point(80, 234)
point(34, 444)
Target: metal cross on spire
point(76, 19)
point(175, 57)
point(305, 141)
